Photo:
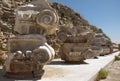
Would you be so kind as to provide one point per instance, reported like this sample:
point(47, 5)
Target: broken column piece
point(28, 52)
point(78, 44)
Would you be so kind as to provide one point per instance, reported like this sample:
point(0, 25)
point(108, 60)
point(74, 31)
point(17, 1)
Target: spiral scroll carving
point(42, 55)
point(47, 19)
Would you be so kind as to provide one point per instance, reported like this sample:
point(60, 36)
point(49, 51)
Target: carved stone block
point(36, 17)
point(28, 52)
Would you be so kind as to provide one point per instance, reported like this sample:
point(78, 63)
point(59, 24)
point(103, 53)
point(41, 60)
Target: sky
point(104, 14)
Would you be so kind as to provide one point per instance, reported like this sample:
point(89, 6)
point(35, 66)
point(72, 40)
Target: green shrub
point(102, 74)
point(117, 58)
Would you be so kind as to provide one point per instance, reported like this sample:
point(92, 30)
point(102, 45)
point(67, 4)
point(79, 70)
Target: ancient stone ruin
point(28, 52)
point(38, 30)
point(79, 40)
point(82, 44)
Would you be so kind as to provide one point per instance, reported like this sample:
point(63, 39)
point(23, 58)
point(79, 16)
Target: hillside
point(68, 19)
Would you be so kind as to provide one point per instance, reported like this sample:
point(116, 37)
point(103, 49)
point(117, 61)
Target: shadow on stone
point(3, 78)
point(67, 63)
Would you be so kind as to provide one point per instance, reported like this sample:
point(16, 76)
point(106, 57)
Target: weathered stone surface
point(36, 17)
point(75, 29)
point(79, 42)
point(25, 42)
point(29, 51)
point(71, 25)
point(106, 50)
point(90, 44)
point(105, 43)
point(27, 75)
point(22, 56)
point(78, 48)
point(93, 52)
point(43, 54)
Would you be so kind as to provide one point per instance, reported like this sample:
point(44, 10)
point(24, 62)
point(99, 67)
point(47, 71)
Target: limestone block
point(24, 66)
point(99, 39)
point(79, 51)
point(25, 42)
point(43, 54)
point(28, 53)
point(73, 51)
point(106, 50)
point(93, 52)
point(18, 55)
point(37, 17)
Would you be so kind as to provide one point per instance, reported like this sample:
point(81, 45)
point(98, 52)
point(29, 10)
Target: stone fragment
point(28, 52)
point(36, 17)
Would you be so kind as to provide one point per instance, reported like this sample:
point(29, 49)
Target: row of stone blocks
point(28, 52)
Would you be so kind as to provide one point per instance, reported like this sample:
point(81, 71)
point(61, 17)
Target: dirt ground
point(113, 72)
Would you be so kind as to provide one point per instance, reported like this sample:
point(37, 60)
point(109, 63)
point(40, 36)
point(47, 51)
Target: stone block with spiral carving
point(28, 52)
point(36, 17)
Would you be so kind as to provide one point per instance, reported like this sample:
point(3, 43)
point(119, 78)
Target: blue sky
point(104, 14)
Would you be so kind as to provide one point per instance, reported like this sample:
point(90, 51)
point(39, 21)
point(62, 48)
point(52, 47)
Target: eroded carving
point(28, 52)
point(81, 43)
